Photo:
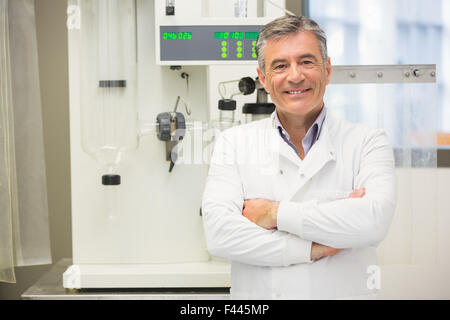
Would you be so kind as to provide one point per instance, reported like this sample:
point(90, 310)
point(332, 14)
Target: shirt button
point(281, 172)
point(278, 295)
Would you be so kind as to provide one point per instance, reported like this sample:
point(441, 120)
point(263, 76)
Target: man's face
point(295, 74)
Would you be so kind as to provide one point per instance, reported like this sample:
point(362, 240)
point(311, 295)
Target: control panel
point(209, 43)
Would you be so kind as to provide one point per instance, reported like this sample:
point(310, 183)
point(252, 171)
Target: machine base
point(210, 274)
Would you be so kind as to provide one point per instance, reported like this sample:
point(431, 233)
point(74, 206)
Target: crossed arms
point(264, 213)
point(244, 230)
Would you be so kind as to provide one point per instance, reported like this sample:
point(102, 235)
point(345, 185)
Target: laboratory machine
point(152, 83)
point(147, 80)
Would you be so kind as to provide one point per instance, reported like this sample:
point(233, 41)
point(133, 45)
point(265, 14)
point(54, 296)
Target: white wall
point(418, 267)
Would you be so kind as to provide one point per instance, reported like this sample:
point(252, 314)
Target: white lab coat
point(253, 161)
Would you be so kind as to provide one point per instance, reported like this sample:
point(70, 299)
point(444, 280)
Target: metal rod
point(407, 73)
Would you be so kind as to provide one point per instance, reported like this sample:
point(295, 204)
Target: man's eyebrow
point(308, 55)
point(303, 56)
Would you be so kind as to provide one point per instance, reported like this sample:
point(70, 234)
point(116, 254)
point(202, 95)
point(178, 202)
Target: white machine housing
point(156, 238)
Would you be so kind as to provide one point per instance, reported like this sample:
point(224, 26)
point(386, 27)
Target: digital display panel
point(251, 35)
point(235, 35)
point(177, 35)
point(220, 35)
point(209, 42)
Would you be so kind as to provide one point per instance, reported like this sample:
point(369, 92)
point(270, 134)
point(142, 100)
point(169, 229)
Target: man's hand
point(358, 193)
point(262, 212)
point(319, 251)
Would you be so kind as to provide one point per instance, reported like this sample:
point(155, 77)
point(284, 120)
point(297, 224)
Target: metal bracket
point(72, 277)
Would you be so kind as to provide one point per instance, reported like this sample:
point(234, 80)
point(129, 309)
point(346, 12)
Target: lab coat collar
point(320, 154)
point(283, 149)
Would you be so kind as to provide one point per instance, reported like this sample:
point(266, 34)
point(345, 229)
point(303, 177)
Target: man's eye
point(306, 62)
point(280, 67)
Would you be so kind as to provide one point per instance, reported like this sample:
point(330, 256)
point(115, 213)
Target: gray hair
point(285, 26)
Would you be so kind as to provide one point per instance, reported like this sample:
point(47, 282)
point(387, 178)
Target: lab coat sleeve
point(228, 233)
point(350, 222)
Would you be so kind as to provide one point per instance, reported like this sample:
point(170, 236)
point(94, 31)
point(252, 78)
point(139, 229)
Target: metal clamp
point(171, 129)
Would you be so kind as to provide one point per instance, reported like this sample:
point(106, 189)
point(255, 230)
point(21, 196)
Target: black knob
point(170, 11)
point(163, 121)
point(247, 85)
point(110, 179)
point(227, 104)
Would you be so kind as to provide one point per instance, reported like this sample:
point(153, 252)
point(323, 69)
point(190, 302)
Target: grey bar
point(443, 158)
point(420, 73)
point(112, 83)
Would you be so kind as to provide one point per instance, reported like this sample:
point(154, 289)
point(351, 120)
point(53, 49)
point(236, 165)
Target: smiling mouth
point(297, 92)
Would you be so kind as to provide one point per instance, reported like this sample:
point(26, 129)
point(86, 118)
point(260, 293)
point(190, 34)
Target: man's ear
point(262, 78)
point(328, 69)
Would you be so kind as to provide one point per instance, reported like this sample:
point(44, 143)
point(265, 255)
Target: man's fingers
point(358, 193)
point(319, 251)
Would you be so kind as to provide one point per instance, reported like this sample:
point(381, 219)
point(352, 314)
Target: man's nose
point(295, 74)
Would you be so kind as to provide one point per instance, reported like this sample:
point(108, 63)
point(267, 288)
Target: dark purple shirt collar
point(311, 136)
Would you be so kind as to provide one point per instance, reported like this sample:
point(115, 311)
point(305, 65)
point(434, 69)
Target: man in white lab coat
point(298, 202)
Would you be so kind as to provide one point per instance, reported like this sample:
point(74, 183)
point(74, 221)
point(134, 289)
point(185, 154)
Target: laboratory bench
point(50, 287)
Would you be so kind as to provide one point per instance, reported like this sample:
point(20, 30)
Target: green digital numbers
point(179, 35)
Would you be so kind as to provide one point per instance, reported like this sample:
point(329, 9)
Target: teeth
point(298, 92)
